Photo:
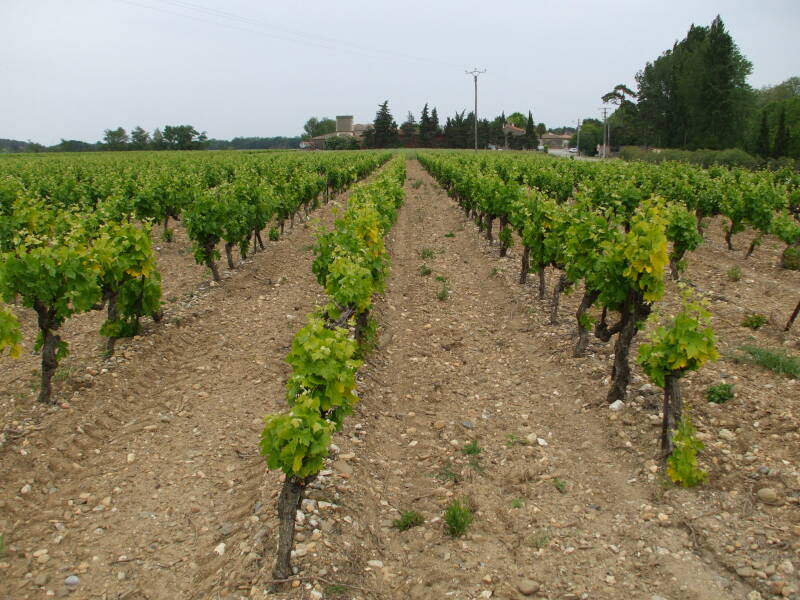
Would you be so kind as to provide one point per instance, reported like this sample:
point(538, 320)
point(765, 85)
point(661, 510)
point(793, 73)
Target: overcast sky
point(72, 68)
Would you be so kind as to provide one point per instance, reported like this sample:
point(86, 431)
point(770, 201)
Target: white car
point(573, 150)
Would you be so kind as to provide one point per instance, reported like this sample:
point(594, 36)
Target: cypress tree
point(530, 132)
point(781, 147)
point(385, 127)
point(762, 143)
point(425, 127)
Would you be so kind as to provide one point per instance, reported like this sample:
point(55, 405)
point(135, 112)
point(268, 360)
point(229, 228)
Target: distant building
point(344, 128)
point(513, 131)
point(555, 140)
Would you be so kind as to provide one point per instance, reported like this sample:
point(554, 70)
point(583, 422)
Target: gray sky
point(72, 68)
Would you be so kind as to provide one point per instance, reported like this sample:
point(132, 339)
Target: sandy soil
point(149, 485)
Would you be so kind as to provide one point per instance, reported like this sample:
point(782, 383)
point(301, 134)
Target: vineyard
point(366, 375)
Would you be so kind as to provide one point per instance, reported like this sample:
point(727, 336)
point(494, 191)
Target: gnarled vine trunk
point(113, 315)
point(46, 318)
point(561, 285)
point(633, 311)
point(588, 299)
point(208, 252)
point(525, 264)
point(229, 255)
point(288, 502)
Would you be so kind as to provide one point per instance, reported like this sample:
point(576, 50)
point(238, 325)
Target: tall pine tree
point(425, 127)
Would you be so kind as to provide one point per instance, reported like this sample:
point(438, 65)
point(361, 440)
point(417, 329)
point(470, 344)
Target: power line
point(234, 21)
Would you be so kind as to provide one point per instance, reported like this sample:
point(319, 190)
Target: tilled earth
point(149, 484)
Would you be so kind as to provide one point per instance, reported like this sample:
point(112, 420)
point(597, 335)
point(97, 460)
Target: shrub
point(424, 270)
point(472, 449)
point(682, 464)
point(274, 234)
point(790, 259)
point(734, 274)
point(719, 393)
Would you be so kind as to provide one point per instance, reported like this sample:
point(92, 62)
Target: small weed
point(407, 520)
point(777, 361)
point(416, 184)
point(539, 539)
point(274, 234)
point(475, 464)
point(449, 234)
point(441, 278)
point(446, 473)
point(425, 253)
point(754, 321)
point(424, 270)
point(335, 589)
point(168, 235)
point(458, 518)
point(734, 274)
point(172, 299)
point(514, 440)
point(472, 449)
point(560, 485)
point(443, 294)
point(516, 503)
point(495, 273)
point(62, 374)
point(719, 393)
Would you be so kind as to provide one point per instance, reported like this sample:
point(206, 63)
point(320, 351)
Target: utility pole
point(579, 137)
point(605, 131)
point(475, 72)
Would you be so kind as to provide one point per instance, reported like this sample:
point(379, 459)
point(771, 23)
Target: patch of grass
point(335, 589)
point(517, 503)
point(719, 393)
point(754, 321)
point(560, 485)
point(424, 270)
point(446, 473)
point(274, 234)
point(425, 253)
point(539, 539)
point(777, 361)
point(514, 440)
point(472, 449)
point(443, 294)
point(458, 517)
point(449, 234)
point(168, 235)
point(441, 278)
point(407, 520)
point(416, 184)
point(495, 273)
point(734, 274)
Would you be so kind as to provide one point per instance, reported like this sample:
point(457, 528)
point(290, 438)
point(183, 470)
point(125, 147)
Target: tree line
point(171, 137)
point(695, 95)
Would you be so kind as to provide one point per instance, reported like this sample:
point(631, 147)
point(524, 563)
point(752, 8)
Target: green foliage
point(458, 517)
point(682, 465)
point(168, 235)
point(10, 334)
point(560, 485)
point(472, 448)
point(734, 274)
point(425, 253)
point(514, 440)
point(517, 503)
point(754, 321)
point(506, 237)
point(449, 234)
point(790, 259)
point(324, 369)
point(274, 234)
point(424, 270)
point(778, 361)
point(407, 520)
point(719, 393)
point(443, 293)
point(685, 345)
point(446, 473)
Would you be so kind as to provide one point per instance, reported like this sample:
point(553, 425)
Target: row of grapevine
point(74, 239)
point(351, 263)
point(615, 245)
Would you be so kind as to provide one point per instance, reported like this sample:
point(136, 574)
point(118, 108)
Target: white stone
point(220, 548)
point(617, 405)
point(376, 564)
